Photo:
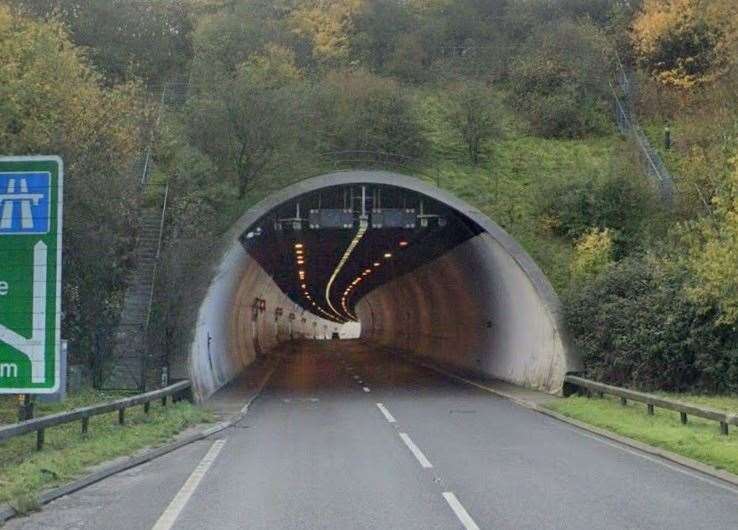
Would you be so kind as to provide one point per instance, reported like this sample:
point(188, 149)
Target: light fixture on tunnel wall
point(403, 243)
point(387, 255)
point(377, 264)
point(298, 245)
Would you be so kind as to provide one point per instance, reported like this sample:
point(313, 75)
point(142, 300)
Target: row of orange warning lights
point(363, 275)
point(300, 260)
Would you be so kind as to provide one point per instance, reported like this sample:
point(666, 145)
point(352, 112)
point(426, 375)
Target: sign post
point(31, 191)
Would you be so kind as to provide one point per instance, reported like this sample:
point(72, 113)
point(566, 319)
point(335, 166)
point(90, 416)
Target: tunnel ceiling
point(356, 238)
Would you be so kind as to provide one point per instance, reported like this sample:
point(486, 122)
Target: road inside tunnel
point(414, 268)
point(347, 436)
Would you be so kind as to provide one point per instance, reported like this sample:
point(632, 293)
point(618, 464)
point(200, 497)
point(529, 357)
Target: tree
point(245, 120)
point(713, 255)
point(124, 38)
point(559, 79)
point(684, 43)
point(475, 115)
point(52, 101)
point(359, 111)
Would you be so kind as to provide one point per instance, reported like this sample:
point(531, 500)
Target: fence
point(651, 401)
point(39, 425)
point(628, 126)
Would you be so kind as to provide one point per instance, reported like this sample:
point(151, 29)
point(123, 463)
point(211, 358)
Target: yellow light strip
point(363, 227)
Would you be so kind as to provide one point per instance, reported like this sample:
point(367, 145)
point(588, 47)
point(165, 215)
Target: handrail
point(38, 425)
point(651, 401)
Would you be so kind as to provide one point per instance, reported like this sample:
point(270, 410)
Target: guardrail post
point(121, 416)
point(39, 439)
point(164, 401)
point(623, 401)
point(649, 406)
point(85, 424)
point(683, 417)
point(724, 428)
point(147, 406)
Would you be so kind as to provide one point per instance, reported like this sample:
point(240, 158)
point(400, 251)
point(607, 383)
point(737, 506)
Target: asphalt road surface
point(343, 437)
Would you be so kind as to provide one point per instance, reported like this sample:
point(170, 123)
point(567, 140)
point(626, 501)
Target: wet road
point(345, 437)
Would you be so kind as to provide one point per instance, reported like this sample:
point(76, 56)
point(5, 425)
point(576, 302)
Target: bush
point(358, 111)
point(635, 326)
point(618, 202)
point(559, 80)
point(593, 254)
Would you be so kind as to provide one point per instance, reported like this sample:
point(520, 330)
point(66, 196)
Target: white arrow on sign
point(34, 348)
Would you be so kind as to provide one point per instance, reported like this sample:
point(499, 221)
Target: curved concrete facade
point(483, 307)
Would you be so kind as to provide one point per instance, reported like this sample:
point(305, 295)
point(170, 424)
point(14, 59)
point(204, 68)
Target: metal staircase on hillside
point(129, 358)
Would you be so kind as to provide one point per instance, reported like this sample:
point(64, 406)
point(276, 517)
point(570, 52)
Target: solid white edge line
point(169, 517)
point(460, 511)
point(679, 468)
point(388, 416)
point(415, 450)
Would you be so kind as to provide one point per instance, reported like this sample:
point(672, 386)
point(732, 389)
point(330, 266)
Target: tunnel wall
point(449, 303)
point(227, 337)
point(474, 309)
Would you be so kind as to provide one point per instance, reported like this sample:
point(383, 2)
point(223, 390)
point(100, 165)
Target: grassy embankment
point(24, 472)
point(699, 439)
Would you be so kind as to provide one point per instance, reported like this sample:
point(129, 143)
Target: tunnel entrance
point(421, 272)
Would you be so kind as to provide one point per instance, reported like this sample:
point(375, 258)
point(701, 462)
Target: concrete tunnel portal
point(422, 272)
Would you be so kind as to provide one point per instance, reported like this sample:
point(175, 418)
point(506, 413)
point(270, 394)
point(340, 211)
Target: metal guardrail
point(651, 401)
point(39, 425)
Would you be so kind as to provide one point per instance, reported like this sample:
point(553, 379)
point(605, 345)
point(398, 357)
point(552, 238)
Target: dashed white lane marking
point(415, 451)
point(390, 418)
point(460, 511)
point(366, 389)
point(169, 517)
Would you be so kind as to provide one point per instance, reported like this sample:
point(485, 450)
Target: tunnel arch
point(483, 307)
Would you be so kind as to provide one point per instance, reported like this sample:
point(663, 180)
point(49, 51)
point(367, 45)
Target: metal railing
point(39, 425)
point(652, 401)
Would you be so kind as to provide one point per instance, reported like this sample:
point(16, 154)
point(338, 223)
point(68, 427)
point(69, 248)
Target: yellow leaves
point(684, 43)
point(713, 256)
point(52, 102)
point(593, 254)
point(272, 68)
point(328, 25)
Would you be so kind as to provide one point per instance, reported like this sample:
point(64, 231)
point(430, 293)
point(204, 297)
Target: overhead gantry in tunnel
point(419, 271)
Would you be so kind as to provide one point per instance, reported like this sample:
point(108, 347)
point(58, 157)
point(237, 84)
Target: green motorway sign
point(30, 274)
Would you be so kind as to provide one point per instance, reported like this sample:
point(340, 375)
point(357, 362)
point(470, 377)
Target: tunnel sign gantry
point(30, 274)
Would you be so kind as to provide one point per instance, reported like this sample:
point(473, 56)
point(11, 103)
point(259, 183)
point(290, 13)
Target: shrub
point(618, 202)
point(559, 80)
point(635, 326)
point(593, 254)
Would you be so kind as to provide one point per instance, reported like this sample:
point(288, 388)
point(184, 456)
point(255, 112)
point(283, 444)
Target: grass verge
point(24, 472)
point(699, 439)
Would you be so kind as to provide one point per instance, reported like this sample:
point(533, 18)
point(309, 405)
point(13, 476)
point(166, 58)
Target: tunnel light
point(377, 264)
point(304, 286)
point(387, 255)
point(403, 243)
point(298, 245)
point(363, 227)
point(301, 262)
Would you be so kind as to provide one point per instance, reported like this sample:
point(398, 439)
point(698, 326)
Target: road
point(343, 437)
